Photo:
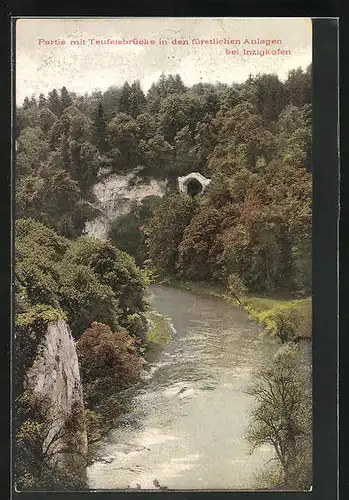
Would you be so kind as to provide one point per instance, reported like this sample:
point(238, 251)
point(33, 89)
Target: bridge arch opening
point(194, 187)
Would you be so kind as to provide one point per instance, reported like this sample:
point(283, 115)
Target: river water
point(187, 426)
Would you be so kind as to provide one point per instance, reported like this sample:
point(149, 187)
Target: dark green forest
point(249, 234)
point(253, 140)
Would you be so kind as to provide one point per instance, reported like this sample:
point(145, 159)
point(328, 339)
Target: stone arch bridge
point(193, 184)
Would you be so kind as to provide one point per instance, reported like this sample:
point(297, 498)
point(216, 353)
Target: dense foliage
point(88, 279)
point(127, 231)
point(252, 139)
point(254, 222)
point(109, 362)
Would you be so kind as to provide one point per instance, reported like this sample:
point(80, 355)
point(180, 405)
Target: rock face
point(55, 377)
point(115, 194)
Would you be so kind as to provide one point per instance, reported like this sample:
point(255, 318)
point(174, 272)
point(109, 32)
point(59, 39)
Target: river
point(189, 414)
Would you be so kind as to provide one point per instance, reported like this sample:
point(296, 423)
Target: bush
point(85, 298)
point(293, 321)
point(288, 320)
point(46, 459)
point(109, 362)
point(30, 232)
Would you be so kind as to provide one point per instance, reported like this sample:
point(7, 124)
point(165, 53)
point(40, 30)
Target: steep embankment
point(114, 195)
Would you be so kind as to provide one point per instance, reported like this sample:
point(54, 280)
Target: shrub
point(46, 459)
point(109, 362)
point(31, 232)
point(293, 320)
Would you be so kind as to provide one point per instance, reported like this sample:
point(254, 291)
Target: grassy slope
point(159, 329)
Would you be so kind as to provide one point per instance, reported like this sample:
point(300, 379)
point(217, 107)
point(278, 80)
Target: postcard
point(163, 254)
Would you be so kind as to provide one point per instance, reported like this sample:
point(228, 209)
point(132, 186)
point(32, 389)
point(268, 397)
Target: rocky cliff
point(114, 195)
point(54, 377)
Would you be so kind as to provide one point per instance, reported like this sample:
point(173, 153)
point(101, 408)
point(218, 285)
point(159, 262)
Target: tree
point(298, 86)
point(256, 244)
point(124, 101)
point(147, 125)
point(205, 140)
point(122, 138)
point(282, 415)
point(295, 136)
point(164, 87)
point(157, 157)
point(100, 128)
point(72, 150)
point(185, 158)
point(50, 196)
point(32, 150)
point(200, 245)
point(66, 99)
point(175, 85)
point(42, 101)
point(26, 104)
point(27, 116)
point(46, 119)
point(270, 96)
point(243, 132)
point(136, 99)
point(54, 102)
point(165, 231)
point(110, 102)
point(173, 116)
point(85, 298)
point(44, 276)
point(109, 362)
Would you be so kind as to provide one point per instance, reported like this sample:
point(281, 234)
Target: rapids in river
point(189, 414)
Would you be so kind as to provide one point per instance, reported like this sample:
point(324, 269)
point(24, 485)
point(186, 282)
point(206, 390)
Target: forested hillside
point(252, 139)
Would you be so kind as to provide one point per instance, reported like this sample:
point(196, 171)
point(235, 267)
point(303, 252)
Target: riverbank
point(286, 319)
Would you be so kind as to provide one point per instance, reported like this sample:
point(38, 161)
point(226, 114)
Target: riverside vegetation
point(247, 239)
